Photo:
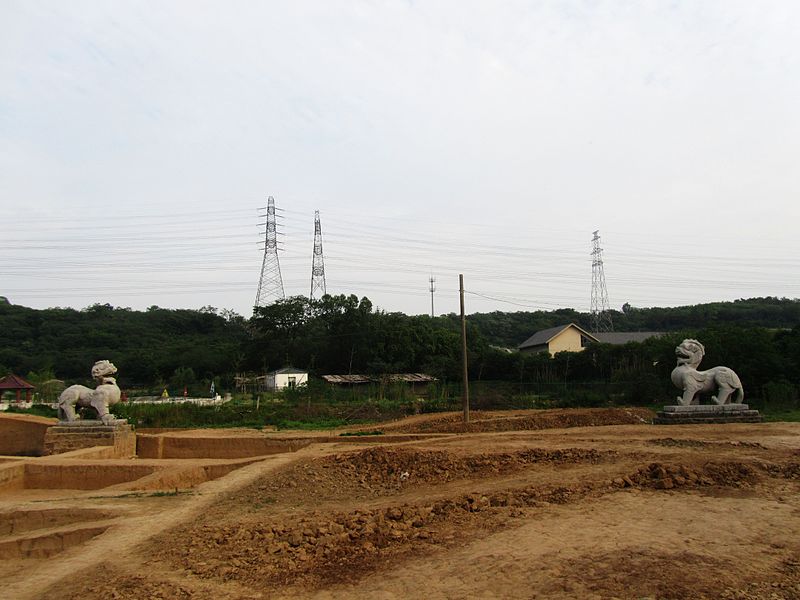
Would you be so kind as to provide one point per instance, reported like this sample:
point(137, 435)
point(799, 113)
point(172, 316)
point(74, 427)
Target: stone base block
point(704, 408)
point(67, 436)
point(707, 413)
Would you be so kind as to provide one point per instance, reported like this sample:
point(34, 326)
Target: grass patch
point(319, 423)
point(37, 409)
point(360, 433)
point(789, 414)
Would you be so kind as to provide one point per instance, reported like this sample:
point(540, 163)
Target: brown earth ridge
point(529, 504)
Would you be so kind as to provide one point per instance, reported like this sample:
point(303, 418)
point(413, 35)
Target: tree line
point(759, 338)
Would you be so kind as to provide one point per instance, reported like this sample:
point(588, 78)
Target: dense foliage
point(147, 347)
point(511, 329)
point(759, 338)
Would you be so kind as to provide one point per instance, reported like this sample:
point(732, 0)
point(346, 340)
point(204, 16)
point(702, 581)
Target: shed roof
point(623, 337)
point(14, 382)
point(391, 377)
point(545, 335)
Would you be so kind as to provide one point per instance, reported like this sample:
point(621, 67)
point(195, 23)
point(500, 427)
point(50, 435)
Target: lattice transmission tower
point(600, 309)
point(270, 286)
point(318, 264)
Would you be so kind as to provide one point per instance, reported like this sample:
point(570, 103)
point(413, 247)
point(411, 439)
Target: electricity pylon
point(270, 285)
point(318, 264)
point(600, 309)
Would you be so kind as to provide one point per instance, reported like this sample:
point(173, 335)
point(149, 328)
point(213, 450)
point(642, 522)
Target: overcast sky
point(139, 139)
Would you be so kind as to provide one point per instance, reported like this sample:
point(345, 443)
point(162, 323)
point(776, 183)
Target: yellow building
point(571, 338)
point(565, 338)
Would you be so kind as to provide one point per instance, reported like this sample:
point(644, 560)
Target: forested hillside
point(145, 346)
point(511, 329)
point(760, 338)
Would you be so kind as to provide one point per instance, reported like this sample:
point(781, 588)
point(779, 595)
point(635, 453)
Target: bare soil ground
point(626, 510)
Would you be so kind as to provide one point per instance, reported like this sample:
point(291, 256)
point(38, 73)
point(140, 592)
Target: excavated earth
point(600, 510)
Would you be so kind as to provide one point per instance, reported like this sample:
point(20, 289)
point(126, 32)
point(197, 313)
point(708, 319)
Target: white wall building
point(286, 378)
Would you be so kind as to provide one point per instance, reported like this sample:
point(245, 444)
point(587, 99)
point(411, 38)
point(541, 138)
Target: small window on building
point(292, 381)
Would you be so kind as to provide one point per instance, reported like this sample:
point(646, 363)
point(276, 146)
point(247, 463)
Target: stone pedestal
point(67, 436)
point(707, 413)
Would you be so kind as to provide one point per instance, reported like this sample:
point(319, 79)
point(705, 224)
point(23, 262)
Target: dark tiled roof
point(623, 337)
point(12, 382)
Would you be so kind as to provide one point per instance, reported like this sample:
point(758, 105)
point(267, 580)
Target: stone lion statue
point(693, 382)
point(106, 394)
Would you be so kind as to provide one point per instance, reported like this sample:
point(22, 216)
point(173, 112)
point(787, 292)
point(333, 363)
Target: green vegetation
point(186, 349)
point(511, 329)
point(37, 409)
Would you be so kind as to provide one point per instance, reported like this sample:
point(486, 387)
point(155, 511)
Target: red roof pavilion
point(12, 382)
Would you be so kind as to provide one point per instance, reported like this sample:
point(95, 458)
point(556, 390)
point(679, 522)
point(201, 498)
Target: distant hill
point(336, 334)
point(509, 329)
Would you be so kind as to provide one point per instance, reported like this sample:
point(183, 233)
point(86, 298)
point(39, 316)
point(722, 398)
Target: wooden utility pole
point(464, 350)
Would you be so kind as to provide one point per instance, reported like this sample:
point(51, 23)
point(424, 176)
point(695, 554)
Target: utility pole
point(464, 350)
point(600, 309)
point(270, 285)
point(432, 281)
point(318, 264)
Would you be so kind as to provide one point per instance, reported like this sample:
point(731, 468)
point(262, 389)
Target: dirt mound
point(387, 465)
point(687, 443)
point(327, 548)
point(665, 477)
point(529, 420)
point(384, 471)
point(789, 470)
point(673, 443)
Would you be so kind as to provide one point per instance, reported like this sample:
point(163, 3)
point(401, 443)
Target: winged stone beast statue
point(693, 382)
point(106, 394)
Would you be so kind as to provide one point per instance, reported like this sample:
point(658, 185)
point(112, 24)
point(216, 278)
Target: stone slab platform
point(77, 435)
point(707, 408)
point(707, 413)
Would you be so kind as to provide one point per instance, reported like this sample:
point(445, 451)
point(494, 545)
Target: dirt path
point(123, 538)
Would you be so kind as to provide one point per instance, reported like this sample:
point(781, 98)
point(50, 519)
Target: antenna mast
point(318, 264)
point(600, 308)
point(270, 285)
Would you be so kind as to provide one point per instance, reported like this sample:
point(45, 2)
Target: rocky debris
point(664, 477)
point(673, 443)
point(382, 471)
point(328, 547)
point(386, 465)
point(676, 443)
